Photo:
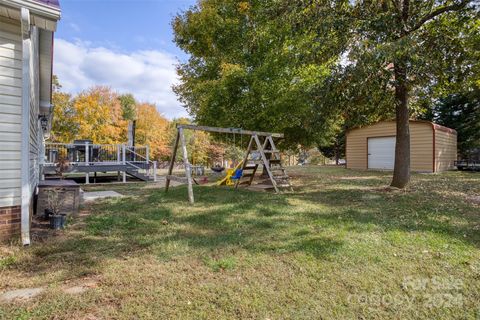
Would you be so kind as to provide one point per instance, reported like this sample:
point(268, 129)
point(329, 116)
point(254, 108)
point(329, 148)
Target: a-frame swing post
point(172, 161)
point(188, 169)
point(244, 164)
point(261, 147)
point(272, 144)
point(266, 163)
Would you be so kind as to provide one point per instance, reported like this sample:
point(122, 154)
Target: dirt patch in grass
point(474, 199)
point(79, 286)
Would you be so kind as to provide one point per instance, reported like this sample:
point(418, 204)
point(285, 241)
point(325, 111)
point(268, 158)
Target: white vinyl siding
point(10, 111)
point(25, 60)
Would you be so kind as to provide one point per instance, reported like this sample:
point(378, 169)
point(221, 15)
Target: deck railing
point(88, 154)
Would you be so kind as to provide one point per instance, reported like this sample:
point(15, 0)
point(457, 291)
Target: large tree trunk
point(401, 171)
point(337, 153)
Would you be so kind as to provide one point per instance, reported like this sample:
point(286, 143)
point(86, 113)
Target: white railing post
point(118, 153)
point(147, 156)
point(124, 161)
point(154, 171)
point(87, 160)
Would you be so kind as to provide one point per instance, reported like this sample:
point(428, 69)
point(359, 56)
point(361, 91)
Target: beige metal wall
point(445, 149)
point(421, 144)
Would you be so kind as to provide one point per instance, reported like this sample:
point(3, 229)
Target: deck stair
point(135, 170)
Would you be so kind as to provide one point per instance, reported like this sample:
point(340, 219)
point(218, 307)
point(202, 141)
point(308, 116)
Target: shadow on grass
point(223, 219)
point(166, 226)
point(397, 211)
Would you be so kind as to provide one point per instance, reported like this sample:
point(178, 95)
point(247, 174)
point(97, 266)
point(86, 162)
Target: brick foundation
point(10, 220)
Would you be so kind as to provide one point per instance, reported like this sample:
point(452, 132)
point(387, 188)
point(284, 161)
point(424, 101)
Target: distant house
point(26, 49)
point(433, 148)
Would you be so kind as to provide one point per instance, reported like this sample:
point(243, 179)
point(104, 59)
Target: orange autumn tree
point(98, 115)
point(152, 130)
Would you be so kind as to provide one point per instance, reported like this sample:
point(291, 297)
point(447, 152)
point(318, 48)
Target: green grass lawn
point(339, 247)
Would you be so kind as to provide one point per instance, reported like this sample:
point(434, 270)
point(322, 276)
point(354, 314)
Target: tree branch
point(437, 12)
point(396, 5)
point(405, 10)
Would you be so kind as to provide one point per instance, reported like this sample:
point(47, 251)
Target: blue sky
point(124, 44)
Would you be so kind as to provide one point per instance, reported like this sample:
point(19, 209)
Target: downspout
point(25, 153)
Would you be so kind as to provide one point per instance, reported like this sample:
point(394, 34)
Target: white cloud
point(75, 27)
point(148, 74)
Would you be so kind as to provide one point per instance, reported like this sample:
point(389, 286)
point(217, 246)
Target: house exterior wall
point(10, 218)
point(445, 148)
point(10, 112)
point(26, 49)
point(421, 144)
point(11, 95)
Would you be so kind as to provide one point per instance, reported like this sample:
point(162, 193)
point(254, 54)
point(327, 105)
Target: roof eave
point(35, 7)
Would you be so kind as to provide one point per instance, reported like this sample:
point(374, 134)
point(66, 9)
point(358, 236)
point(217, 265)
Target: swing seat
point(238, 174)
point(217, 169)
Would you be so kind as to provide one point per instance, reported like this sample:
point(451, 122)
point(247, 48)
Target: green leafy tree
point(462, 113)
point(311, 68)
point(246, 70)
point(405, 53)
point(128, 103)
point(64, 126)
point(336, 149)
point(400, 53)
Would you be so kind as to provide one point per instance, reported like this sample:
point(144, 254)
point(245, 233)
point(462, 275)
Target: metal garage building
point(433, 148)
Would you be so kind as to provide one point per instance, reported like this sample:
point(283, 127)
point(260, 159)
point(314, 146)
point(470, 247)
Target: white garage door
point(381, 153)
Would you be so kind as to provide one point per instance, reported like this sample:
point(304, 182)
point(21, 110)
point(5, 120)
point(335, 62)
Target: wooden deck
point(93, 158)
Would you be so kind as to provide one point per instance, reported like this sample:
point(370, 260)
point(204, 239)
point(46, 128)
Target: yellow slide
point(227, 181)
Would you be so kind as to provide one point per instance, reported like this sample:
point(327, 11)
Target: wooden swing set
point(265, 154)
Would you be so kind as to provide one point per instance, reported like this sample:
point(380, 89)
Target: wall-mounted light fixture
point(43, 121)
